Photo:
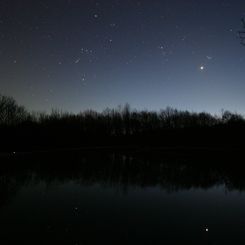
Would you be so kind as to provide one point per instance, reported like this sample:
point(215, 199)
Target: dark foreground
point(133, 197)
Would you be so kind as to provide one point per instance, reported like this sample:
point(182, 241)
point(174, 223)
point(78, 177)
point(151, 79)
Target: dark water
point(117, 198)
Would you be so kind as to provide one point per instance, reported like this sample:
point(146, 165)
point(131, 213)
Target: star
point(202, 68)
point(112, 25)
point(77, 61)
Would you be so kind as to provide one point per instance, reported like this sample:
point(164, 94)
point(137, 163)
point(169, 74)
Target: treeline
point(120, 121)
point(120, 126)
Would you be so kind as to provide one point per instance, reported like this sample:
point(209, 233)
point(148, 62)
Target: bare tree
point(10, 111)
point(242, 33)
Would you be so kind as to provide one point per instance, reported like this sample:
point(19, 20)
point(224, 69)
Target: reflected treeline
point(170, 170)
point(123, 126)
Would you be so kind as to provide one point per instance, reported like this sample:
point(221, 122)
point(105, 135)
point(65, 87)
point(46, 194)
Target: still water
point(90, 198)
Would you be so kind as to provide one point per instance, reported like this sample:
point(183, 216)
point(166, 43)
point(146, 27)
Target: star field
point(76, 55)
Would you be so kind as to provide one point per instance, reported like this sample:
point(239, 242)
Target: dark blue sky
point(80, 54)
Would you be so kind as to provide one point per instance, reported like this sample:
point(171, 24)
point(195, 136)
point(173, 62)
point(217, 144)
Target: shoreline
point(143, 149)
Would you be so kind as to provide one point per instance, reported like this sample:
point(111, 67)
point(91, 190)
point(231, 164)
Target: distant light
point(96, 16)
point(202, 68)
point(206, 229)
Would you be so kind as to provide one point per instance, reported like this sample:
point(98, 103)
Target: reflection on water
point(133, 198)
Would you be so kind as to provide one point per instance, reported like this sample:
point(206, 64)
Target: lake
point(96, 197)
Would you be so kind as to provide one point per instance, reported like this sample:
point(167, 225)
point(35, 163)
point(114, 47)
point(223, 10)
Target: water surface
point(112, 198)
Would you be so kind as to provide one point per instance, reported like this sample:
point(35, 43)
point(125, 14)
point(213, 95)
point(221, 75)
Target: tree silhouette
point(121, 126)
point(242, 33)
point(11, 112)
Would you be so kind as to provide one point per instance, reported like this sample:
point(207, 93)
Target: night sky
point(87, 54)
